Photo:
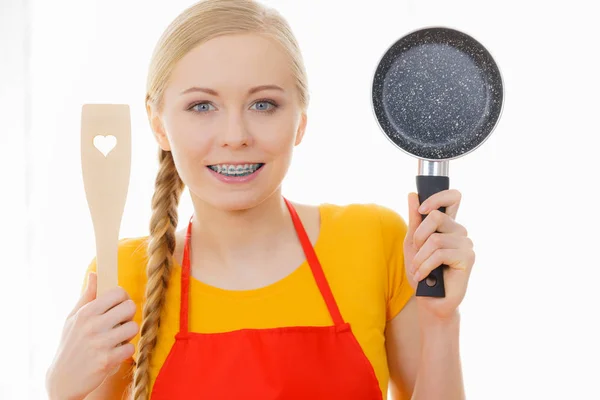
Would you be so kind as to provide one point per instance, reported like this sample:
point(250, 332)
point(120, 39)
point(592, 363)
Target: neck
point(232, 237)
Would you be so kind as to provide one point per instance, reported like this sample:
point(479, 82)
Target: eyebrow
point(214, 92)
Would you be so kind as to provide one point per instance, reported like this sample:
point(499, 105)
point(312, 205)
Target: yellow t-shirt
point(360, 249)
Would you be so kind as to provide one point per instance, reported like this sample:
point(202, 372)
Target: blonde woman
point(260, 297)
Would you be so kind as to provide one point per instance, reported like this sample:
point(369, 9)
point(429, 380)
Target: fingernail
point(417, 276)
point(422, 209)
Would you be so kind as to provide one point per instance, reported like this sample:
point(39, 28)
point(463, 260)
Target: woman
point(259, 297)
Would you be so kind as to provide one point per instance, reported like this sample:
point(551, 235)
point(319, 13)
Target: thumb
point(88, 294)
point(414, 217)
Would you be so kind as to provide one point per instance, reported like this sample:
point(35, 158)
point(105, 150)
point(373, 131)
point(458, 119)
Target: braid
point(161, 246)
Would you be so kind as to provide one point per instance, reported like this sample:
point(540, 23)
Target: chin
point(237, 200)
point(233, 197)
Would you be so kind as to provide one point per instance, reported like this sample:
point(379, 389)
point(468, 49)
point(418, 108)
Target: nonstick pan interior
point(437, 94)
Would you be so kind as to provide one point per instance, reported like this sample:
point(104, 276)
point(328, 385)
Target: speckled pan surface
point(437, 93)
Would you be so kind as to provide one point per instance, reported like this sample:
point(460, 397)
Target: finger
point(450, 199)
point(437, 221)
point(414, 218)
point(438, 241)
point(454, 258)
point(106, 301)
point(122, 333)
point(117, 315)
point(119, 354)
point(88, 294)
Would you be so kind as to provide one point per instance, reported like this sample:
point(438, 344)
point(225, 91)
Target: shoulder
point(363, 230)
point(373, 228)
point(365, 216)
point(133, 250)
point(132, 259)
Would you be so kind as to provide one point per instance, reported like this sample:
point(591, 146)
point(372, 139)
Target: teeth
point(235, 170)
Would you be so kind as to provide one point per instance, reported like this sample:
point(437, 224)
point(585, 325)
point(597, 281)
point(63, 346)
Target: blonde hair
point(197, 24)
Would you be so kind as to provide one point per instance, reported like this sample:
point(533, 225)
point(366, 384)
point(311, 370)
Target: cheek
point(188, 143)
point(277, 146)
point(278, 140)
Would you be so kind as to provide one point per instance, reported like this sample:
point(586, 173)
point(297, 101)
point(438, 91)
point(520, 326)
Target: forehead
point(233, 62)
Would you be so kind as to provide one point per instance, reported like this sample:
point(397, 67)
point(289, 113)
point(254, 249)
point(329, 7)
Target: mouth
point(236, 170)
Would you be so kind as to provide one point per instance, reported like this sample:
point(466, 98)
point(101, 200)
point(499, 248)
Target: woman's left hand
point(438, 239)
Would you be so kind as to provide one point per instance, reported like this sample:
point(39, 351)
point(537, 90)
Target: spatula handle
point(107, 248)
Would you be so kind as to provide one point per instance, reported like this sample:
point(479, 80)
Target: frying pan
point(437, 95)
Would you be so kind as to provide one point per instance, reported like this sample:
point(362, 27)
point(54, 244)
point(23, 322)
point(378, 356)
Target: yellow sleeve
point(399, 290)
point(132, 261)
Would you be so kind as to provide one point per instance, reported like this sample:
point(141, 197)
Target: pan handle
point(428, 185)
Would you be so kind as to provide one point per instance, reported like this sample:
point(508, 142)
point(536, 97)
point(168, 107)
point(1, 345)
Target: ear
point(158, 128)
point(301, 129)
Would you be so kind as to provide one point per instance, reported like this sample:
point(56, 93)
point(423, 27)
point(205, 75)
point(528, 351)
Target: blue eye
point(205, 105)
point(264, 104)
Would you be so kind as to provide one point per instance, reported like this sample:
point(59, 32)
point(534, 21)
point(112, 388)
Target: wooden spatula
point(106, 165)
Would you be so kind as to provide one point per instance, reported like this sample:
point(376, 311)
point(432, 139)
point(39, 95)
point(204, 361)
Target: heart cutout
point(105, 144)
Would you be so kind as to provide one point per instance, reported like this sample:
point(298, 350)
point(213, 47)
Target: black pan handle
point(433, 285)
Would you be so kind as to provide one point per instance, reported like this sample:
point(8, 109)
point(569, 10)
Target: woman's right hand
point(94, 342)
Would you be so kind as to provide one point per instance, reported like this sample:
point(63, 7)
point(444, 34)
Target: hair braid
point(161, 246)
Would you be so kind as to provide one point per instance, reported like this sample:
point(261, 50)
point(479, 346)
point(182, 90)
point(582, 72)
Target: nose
point(235, 134)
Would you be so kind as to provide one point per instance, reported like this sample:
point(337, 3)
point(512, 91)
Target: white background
point(530, 318)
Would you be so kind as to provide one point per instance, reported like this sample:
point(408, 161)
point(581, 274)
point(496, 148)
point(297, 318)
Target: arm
point(115, 386)
point(424, 363)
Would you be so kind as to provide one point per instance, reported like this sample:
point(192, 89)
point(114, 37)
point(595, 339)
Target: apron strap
point(309, 252)
point(315, 266)
point(185, 282)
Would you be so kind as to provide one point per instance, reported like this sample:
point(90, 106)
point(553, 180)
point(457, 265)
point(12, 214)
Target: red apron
point(291, 363)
